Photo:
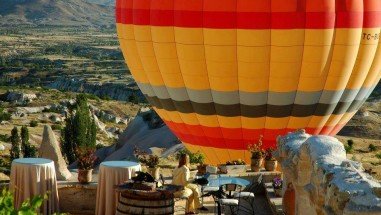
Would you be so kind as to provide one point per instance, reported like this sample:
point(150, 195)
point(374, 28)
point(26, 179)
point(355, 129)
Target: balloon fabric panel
point(222, 73)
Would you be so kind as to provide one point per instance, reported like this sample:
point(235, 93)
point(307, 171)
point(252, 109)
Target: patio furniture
point(215, 188)
point(230, 201)
point(112, 173)
point(34, 176)
point(247, 196)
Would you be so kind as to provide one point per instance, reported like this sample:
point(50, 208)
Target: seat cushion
point(229, 202)
point(244, 195)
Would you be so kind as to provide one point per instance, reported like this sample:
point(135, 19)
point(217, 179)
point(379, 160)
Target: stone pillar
point(325, 181)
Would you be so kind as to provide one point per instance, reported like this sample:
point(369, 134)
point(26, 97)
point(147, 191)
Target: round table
point(112, 173)
point(34, 176)
point(217, 182)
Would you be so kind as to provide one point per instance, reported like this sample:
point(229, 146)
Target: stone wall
point(324, 180)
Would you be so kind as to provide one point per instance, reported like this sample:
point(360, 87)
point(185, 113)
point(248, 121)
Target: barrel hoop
point(139, 214)
point(153, 207)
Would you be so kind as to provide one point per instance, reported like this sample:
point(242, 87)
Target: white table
point(112, 173)
point(34, 176)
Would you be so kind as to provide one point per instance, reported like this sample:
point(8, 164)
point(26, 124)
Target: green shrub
point(27, 207)
point(106, 97)
point(194, 158)
point(348, 149)
point(350, 143)
point(378, 155)
point(33, 123)
point(4, 138)
point(372, 147)
point(4, 116)
point(44, 121)
point(349, 146)
point(57, 127)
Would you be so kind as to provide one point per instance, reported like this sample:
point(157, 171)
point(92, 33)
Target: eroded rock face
point(50, 149)
point(325, 181)
point(20, 97)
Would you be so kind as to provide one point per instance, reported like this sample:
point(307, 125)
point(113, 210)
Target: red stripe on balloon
point(231, 138)
point(249, 20)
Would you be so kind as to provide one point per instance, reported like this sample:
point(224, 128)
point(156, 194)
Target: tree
point(15, 140)
point(80, 129)
point(28, 150)
point(4, 116)
point(133, 99)
point(2, 62)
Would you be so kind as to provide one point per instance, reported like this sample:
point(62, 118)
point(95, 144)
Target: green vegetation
point(349, 146)
point(57, 127)
point(4, 116)
point(33, 123)
point(133, 98)
point(28, 150)
point(80, 129)
point(4, 138)
point(378, 155)
point(372, 147)
point(15, 140)
point(28, 207)
point(194, 158)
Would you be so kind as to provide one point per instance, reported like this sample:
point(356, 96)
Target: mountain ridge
point(55, 12)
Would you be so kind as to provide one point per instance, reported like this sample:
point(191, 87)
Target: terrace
point(315, 168)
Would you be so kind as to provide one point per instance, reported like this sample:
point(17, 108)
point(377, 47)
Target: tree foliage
point(80, 129)
point(28, 150)
point(15, 140)
point(4, 116)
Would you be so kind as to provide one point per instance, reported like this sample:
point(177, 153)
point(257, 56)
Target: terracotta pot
point(270, 165)
point(154, 171)
point(201, 169)
point(289, 200)
point(256, 164)
point(85, 176)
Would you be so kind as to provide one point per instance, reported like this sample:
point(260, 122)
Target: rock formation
point(50, 149)
point(325, 181)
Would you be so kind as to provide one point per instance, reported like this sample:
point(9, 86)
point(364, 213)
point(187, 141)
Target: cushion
point(244, 195)
point(229, 202)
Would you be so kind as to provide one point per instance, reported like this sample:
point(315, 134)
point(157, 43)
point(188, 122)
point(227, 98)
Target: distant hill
point(103, 2)
point(55, 12)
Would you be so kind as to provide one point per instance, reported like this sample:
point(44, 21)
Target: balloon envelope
point(223, 72)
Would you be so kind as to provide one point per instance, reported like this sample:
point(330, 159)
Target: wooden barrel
point(132, 203)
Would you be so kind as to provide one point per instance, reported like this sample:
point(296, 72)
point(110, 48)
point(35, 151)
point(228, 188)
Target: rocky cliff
point(117, 91)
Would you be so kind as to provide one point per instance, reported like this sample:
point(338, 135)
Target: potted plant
point(234, 167)
point(149, 160)
point(86, 160)
point(270, 162)
point(198, 158)
point(277, 185)
point(257, 154)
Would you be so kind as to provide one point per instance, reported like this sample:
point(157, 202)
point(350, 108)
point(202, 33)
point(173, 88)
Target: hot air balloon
point(221, 73)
